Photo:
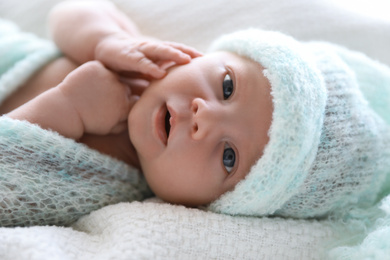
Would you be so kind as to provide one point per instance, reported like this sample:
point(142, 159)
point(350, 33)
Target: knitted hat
point(309, 165)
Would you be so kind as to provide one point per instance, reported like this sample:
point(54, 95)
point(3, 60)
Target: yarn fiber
point(22, 54)
point(329, 149)
point(353, 157)
point(46, 179)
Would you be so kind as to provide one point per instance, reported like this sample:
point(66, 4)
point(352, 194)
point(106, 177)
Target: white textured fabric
point(153, 230)
point(156, 230)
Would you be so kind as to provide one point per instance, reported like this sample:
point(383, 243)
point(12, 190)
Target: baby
point(263, 125)
point(194, 132)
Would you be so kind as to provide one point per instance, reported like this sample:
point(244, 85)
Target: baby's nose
point(206, 118)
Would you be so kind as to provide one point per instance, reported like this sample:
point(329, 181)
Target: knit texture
point(150, 230)
point(22, 54)
point(328, 148)
point(46, 179)
point(353, 157)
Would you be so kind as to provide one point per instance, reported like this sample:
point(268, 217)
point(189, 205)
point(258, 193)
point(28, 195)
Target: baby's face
point(199, 130)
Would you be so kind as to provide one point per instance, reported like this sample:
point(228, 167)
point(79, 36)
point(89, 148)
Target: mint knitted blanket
point(22, 54)
point(46, 179)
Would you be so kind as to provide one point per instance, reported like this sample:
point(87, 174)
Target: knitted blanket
point(22, 54)
point(46, 179)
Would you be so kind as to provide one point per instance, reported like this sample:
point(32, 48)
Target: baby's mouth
point(167, 123)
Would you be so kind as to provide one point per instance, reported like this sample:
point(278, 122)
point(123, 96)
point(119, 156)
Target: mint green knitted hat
point(319, 135)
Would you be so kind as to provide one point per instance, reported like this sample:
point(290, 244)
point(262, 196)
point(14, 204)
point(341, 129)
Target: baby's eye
point(229, 158)
point(227, 87)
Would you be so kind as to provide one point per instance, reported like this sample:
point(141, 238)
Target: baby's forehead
point(232, 57)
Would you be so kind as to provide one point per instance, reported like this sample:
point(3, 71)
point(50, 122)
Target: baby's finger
point(164, 52)
point(147, 66)
point(186, 49)
point(139, 62)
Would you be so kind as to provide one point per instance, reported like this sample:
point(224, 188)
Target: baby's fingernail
point(159, 74)
point(185, 56)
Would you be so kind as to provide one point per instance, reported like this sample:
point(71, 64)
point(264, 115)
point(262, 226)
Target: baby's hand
point(100, 99)
point(124, 53)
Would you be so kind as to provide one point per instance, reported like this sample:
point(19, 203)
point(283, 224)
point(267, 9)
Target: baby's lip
point(172, 121)
point(159, 124)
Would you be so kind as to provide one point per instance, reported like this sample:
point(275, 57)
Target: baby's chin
point(189, 202)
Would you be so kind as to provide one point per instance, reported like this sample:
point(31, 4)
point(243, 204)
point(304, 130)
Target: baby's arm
point(92, 30)
point(91, 99)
